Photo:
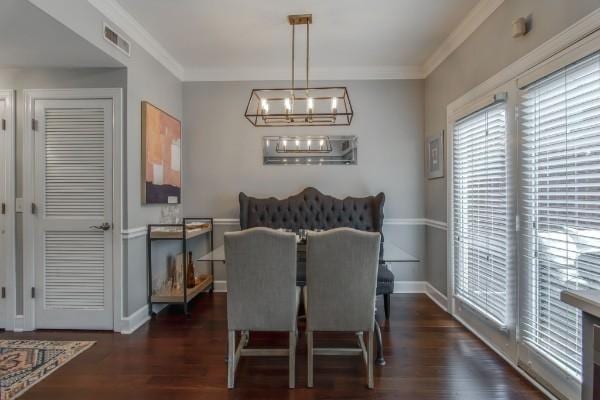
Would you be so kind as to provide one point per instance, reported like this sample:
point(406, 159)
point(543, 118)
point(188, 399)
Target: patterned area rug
point(23, 363)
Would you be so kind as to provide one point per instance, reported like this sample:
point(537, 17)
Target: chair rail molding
point(141, 231)
point(132, 233)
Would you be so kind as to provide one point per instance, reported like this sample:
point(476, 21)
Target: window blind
point(560, 210)
point(480, 208)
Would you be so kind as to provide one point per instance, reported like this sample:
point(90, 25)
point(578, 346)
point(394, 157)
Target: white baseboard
point(409, 286)
point(19, 324)
point(436, 296)
point(422, 287)
point(399, 287)
point(220, 286)
point(134, 321)
point(508, 360)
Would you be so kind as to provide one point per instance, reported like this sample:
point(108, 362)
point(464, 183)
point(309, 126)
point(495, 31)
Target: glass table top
point(391, 254)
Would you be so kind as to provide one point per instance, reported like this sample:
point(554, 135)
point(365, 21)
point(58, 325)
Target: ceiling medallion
point(307, 106)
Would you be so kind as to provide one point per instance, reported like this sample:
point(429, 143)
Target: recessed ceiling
point(31, 38)
point(240, 39)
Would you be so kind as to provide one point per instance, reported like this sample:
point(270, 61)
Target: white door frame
point(7, 156)
point(30, 96)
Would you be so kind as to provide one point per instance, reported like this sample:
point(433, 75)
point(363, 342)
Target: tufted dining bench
point(311, 209)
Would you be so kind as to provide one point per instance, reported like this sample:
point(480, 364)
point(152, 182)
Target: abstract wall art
point(161, 156)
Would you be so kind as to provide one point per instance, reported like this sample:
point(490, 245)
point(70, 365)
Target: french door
point(525, 198)
point(73, 200)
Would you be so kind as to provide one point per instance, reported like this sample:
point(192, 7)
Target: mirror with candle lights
point(310, 150)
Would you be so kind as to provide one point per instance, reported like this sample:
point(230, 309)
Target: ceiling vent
point(113, 38)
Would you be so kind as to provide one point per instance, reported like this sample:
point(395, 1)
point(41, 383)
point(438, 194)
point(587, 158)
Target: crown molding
point(317, 74)
point(469, 24)
point(112, 10)
point(118, 16)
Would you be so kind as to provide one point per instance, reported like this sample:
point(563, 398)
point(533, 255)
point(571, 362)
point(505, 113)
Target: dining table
point(389, 254)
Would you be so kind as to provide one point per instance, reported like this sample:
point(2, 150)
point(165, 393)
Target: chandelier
point(307, 106)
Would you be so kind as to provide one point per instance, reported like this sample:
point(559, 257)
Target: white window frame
point(500, 337)
point(569, 40)
point(120, 322)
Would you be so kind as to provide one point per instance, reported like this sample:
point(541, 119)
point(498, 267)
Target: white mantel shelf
point(587, 301)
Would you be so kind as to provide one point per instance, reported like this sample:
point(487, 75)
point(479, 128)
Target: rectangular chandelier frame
point(283, 103)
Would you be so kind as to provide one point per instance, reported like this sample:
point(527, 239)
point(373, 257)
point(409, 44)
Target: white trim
point(7, 157)
point(404, 221)
point(19, 323)
point(134, 321)
point(317, 74)
point(226, 221)
point(112, 10)
point(508, 360)
point(556, 44)
point(220, 286)
point(436, 224)
point(120, 17)
point(132, 233)
point(436, 296)
point(409, 286)
point(116, 95)
point(141, 230)
point(469, 24)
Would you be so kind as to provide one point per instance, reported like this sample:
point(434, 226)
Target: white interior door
point(6, 236)
point(73, 213)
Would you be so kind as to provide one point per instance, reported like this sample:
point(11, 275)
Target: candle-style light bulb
point(308, 143)
point(287, 104)
point(267, 142)
point(310, 104)
point(321, 142)
point(297, 143)
point(264, 105)
point(284, 143)
point(334, 105)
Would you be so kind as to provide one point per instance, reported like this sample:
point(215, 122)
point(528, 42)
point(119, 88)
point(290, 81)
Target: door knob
point(104, 227)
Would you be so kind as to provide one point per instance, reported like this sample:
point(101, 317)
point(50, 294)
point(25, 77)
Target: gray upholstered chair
point(261, 292)
point(341, 276)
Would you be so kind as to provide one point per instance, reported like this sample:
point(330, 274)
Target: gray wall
point(483, 54)
point(19, 79)
point(222, 155)
point(147, 80)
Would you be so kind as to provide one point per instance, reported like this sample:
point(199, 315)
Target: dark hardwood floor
point(429, 356)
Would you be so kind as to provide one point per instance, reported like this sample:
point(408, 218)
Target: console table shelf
point(200, 287)
point(190, 228)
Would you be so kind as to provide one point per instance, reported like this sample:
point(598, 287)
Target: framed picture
point(435, 156)
point(161, 156)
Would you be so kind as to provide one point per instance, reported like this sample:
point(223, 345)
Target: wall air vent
point(116, 40)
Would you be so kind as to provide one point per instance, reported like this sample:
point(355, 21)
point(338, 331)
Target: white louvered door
point(73, 197)
point(4, 170)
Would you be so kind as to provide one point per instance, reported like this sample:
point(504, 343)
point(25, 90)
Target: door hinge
point(33, 292)
point(3, 124)
point(3, 292)
point(33, 208)
point(3, 208)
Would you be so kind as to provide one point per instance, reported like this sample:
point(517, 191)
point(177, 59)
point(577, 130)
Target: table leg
point(379, 360)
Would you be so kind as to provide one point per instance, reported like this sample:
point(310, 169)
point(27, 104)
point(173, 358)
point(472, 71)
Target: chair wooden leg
point(370, 383)
point(309, 351)
point(292, 360)
point(386, 306)
point(231, 360)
